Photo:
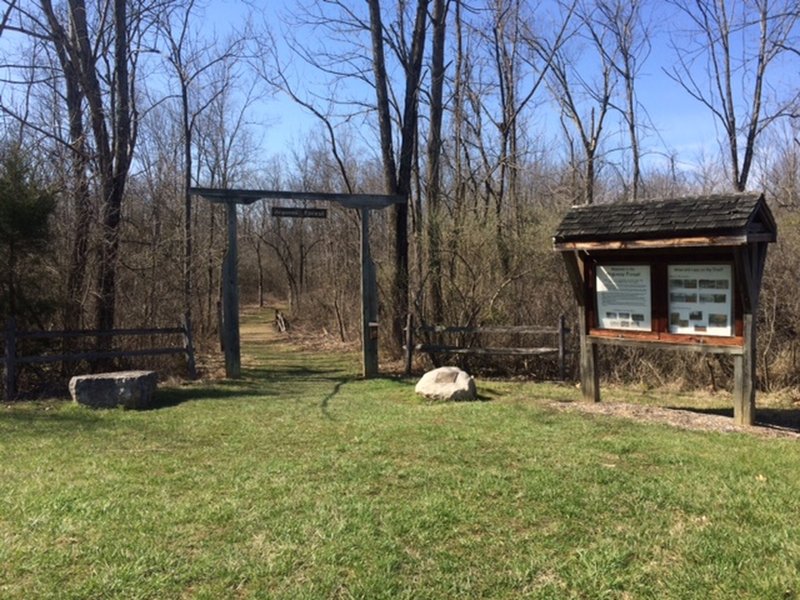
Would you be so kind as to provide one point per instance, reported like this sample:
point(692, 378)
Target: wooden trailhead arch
point(676, 274)
point(364, 203)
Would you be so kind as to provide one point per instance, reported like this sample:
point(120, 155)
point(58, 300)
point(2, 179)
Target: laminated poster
point(700, 299)
point(624, 297)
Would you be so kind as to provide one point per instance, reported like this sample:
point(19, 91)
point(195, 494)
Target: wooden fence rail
point(12, 359)
point(559, 332)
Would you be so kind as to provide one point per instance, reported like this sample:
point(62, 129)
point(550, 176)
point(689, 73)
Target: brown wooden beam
point(758, 256)
point(662, 345)
point(574, 266)
point(746, 283)
point(78, 356)
point(61, 334)
point(699, 241)
point(521, 329)
point(486, 351)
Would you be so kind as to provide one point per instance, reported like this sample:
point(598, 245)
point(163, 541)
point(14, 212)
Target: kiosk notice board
point(679, 274)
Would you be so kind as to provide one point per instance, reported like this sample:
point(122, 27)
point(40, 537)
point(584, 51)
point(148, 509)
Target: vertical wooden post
point(562, 351)
point(10, 370)
point(230, 299)
point(749, 270)
point(409, 343)
point(188, 346)
point(590, 378)
point(369, 303)
point(744, 371)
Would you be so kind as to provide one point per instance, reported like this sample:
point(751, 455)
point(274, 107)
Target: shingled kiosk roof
point(719, 220)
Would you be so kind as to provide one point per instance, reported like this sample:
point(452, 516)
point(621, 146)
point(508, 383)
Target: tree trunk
point(434, 163)
point(399, 183)
point(113, 148)
point(116, 176)
point(81, 196)
point(187, 204)
point(382, 98)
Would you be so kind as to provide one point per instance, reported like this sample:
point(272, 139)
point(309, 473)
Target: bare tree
point(520, 53)
point(224, 147)
point(434, 155)
point(622, 23)
point(585, 102)
point(398, 180)
point(191, 59)
point(723, 63)
point(779, 169)
point(98, 55)
point(9, 8)
point(42, 24)
point(114, 128)
point(74, 99)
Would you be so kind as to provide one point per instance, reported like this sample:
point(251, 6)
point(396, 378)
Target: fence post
point(10, 371)
point(562, 330)
point(409, 343)
point(188, 346)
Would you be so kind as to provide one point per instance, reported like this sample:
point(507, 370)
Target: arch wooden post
point(230, 299)
point(369, 303)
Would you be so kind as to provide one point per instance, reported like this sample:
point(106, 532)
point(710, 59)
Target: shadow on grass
point(56, 419)
point(259, 382)
point(286, 374)
point(779, 418)
point(328, 397)
point(170, 397)
point(785, 418)
point(487, 394)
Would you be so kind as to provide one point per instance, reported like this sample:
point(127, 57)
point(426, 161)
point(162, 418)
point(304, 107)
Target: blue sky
point(684, 126)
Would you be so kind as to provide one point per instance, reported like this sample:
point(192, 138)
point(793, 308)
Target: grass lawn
point(301, 481)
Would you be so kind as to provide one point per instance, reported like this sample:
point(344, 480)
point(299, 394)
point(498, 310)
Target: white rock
point(447, 383)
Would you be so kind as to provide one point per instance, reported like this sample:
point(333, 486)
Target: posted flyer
point(700, 299)
point(624, 297)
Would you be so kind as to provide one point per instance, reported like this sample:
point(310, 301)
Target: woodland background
point(111, 110)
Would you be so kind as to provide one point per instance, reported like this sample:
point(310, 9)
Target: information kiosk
point(679, 274)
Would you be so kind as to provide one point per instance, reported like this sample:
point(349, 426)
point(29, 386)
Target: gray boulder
point(129, 389)
point(447, 383)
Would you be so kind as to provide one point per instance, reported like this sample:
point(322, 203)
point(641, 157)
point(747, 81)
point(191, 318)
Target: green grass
point(302, 481)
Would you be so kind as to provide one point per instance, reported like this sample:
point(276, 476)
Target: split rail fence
point(558, 334)
point(13, 360)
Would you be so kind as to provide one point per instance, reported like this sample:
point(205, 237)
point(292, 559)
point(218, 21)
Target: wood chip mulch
point(680, 418)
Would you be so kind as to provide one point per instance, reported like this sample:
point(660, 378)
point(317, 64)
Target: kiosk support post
point(744, 371)
point(590, 376)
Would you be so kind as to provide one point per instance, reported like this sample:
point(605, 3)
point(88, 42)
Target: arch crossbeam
point(357, 201)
